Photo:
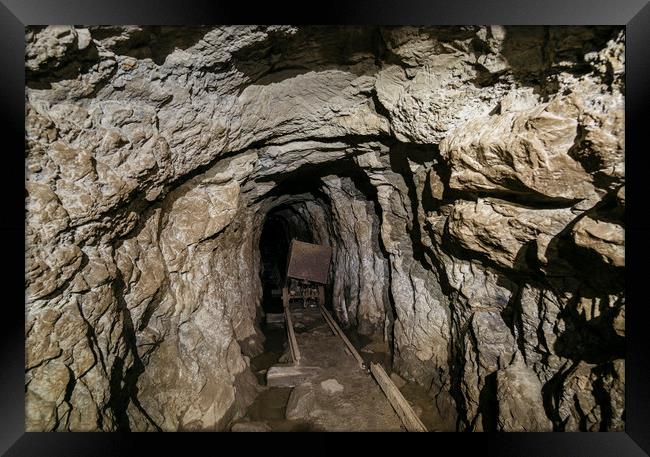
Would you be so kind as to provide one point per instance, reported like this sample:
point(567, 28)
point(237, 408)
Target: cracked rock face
point(470, 181)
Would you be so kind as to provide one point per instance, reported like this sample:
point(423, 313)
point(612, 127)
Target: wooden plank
point(402, 407)
point(290, 375)
point(293, 342)
point(328, 319)
point(337, 331)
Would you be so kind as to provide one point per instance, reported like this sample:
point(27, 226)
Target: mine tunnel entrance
point(281, 226)
point(324, 340)
point(283, 223)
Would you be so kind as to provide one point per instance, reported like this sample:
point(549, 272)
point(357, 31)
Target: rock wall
point(469, 179)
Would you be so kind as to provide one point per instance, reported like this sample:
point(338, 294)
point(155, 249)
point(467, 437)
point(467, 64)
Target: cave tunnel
point(474, 211)
point(282, 225)
point(304, 208)
point(325, 205)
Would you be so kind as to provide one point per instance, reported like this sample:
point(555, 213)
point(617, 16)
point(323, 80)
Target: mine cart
point(307, 272)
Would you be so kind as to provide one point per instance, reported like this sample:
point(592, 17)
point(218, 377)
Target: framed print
point(404, 218)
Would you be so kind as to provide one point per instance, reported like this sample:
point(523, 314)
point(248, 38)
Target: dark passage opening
point(281, 226)
point(274, 248)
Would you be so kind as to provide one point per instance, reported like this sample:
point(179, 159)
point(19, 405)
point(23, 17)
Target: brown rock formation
point(469, 179)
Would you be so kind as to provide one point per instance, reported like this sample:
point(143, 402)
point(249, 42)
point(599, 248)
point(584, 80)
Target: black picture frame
point(16, 14)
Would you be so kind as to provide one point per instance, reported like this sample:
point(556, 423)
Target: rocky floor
point(341, 398)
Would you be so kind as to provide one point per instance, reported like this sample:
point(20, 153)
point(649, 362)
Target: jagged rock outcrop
point(470, 181)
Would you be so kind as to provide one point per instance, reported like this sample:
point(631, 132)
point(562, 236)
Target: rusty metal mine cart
point(307, 274)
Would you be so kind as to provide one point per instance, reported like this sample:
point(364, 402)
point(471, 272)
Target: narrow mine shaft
point(461, 191)
point(278, 231)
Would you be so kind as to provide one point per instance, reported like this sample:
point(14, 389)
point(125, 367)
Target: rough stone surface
point(331, 386)
point(519, 395)
point(397, 380)
point(301, 401)
point(470, 181)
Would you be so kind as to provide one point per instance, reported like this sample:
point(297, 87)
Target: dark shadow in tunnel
point(273, 251)
point(282, 225)
point(307, 180)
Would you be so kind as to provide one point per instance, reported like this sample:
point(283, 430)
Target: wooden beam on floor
point(337, 331)
point(402, 407)
point(290, 375)
point(293, 342)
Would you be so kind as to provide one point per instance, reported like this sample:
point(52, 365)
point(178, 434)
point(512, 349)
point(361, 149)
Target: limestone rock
point(519, 394)
point(595, 389)
point(301, 401)
point(397, 380)
point(428, 94)
point(549, 151)
point(605, 238)
point(331, 386)
point(502, 231)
